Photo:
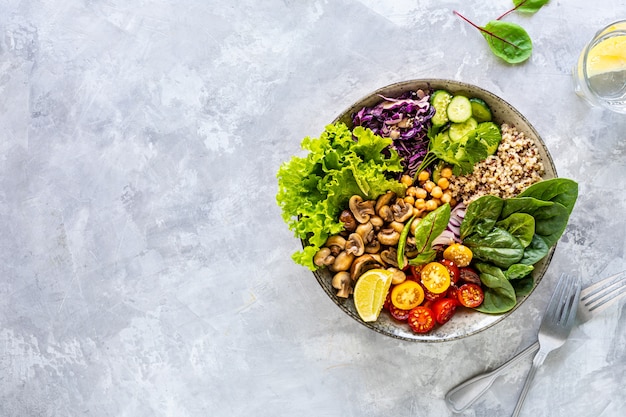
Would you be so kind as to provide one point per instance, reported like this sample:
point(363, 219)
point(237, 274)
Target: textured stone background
point(144, 267)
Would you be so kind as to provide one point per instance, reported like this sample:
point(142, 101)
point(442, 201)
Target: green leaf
point(518, 271)
point(529, 6)
point(428, 228)
point(558, 190)
point(498, 247)
point(499, 293)
point(481, 215)
point(508, 41)
point(520, 225)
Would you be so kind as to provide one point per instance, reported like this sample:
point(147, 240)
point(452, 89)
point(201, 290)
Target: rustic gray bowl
point(465, 322)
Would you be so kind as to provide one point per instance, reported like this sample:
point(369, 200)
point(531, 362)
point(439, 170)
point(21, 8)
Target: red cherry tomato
point(431, 296)
point(444, 309)
point(453, 292)
point(421, 319)
point(453, 270)
point(469, 274)
point(470, 295)
point(398, 313)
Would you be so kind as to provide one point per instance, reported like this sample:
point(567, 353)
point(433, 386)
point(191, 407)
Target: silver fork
point(555, 327)
point(593, 300)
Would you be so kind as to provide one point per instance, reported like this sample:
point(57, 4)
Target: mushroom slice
point(349, 222)
point(323, 257)
point(336, 244)
point(398, 276)
point(377, 222)
point(343, 283)
point(366, 230)
point(343, 262)
point(410, 250)
point(361, 209)
point(390, 257)
point(384, 200)
point(388, 237)
point(401, 210)
point(355, 244)
point(363, 263)
point(373, 246)
point(385, 213)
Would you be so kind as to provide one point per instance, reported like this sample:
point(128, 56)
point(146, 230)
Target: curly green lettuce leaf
point(312, 190)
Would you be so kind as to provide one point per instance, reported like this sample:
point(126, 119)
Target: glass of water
point(600, 74)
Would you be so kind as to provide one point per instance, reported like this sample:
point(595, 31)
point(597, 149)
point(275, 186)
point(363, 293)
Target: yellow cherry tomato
point(459, 254)
point(435, 277)
point(407, 295)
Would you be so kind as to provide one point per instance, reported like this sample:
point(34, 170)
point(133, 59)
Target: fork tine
point(573, 301)
point(604, 293)
point(555, 305)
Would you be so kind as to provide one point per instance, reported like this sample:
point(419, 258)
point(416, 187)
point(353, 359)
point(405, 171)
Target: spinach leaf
point(508, 41)
point(523, 286)
point(529, 6)
point(520, 225)
point(498, 247)
point(481, 215)
point(535, 252)
point(557, 190)
point(550, 218)
point(518, 271)
point(427, 230)
point(499, 293)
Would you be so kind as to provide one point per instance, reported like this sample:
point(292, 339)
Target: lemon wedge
point(370, 292)
point(607, 56)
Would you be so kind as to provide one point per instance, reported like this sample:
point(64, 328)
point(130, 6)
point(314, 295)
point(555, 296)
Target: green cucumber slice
point(440, 100)
point(459, 109)
point(458, 130)
point(480, 110)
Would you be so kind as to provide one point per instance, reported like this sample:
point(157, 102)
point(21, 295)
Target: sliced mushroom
point(373, 247)
point(377, 222)
point(336, 244)
point(343, 262)
point(343, 283)
point(384, 200)
point(397, 226)
point(398, 276)
point(355, 244)
point(366, 230)
point(390, 257)
point(323, 257)
point(385, 213)
point(364, 263)
point(348, 220)
point(388, 237)
point(362, 210)
point(402, 211)
point(410, 250)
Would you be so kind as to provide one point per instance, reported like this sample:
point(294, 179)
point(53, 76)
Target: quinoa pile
point(515, 166)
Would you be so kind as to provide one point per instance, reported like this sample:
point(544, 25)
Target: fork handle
point(537, 361)
point(462, 396)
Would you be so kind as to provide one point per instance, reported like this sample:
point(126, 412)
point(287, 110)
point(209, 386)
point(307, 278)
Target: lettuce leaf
point(312, 190)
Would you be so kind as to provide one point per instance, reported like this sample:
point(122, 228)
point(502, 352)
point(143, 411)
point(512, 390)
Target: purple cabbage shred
point(404, 119)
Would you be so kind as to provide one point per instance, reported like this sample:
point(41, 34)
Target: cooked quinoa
point(515, 166)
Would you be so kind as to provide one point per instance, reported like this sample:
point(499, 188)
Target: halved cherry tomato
point(415, 271)
point(435, 277)
point(398, 313)
point(407, 295)
point(453, 270)
point(421, 319)
point(460, 254)
point(453, 292)
point(470, 295)
point(444, 309)
point(469, 274)
point(431, 296)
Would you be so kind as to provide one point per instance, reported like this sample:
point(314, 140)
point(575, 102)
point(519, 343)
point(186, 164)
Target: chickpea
point(436, 192)
point(428, 186)
point(446, 198)
point(444, 183)
point(431, 205)
point(423, 176)
point(420, 204)
point(406, 180)
point(421, 193)
point(446, 173)
point(409, 200)
point(414, 224)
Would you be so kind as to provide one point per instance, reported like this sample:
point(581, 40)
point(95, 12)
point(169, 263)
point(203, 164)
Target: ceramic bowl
point(465, 322)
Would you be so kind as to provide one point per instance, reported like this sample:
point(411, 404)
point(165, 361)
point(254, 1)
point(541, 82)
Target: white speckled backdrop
point(144, 267)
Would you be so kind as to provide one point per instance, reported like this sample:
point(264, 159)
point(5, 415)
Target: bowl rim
point(455, 87)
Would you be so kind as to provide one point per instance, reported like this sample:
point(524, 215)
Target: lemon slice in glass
point(370, 292)
point(607, 56)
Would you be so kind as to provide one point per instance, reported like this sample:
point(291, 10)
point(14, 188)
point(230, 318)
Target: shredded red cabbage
point(404, 119)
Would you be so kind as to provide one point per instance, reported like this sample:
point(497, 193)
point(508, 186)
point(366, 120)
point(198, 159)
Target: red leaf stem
point(482, 29)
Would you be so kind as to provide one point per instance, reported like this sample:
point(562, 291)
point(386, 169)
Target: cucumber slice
point(480, 110)
point(440, 101)
point(459, 109)
point(458, 130)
